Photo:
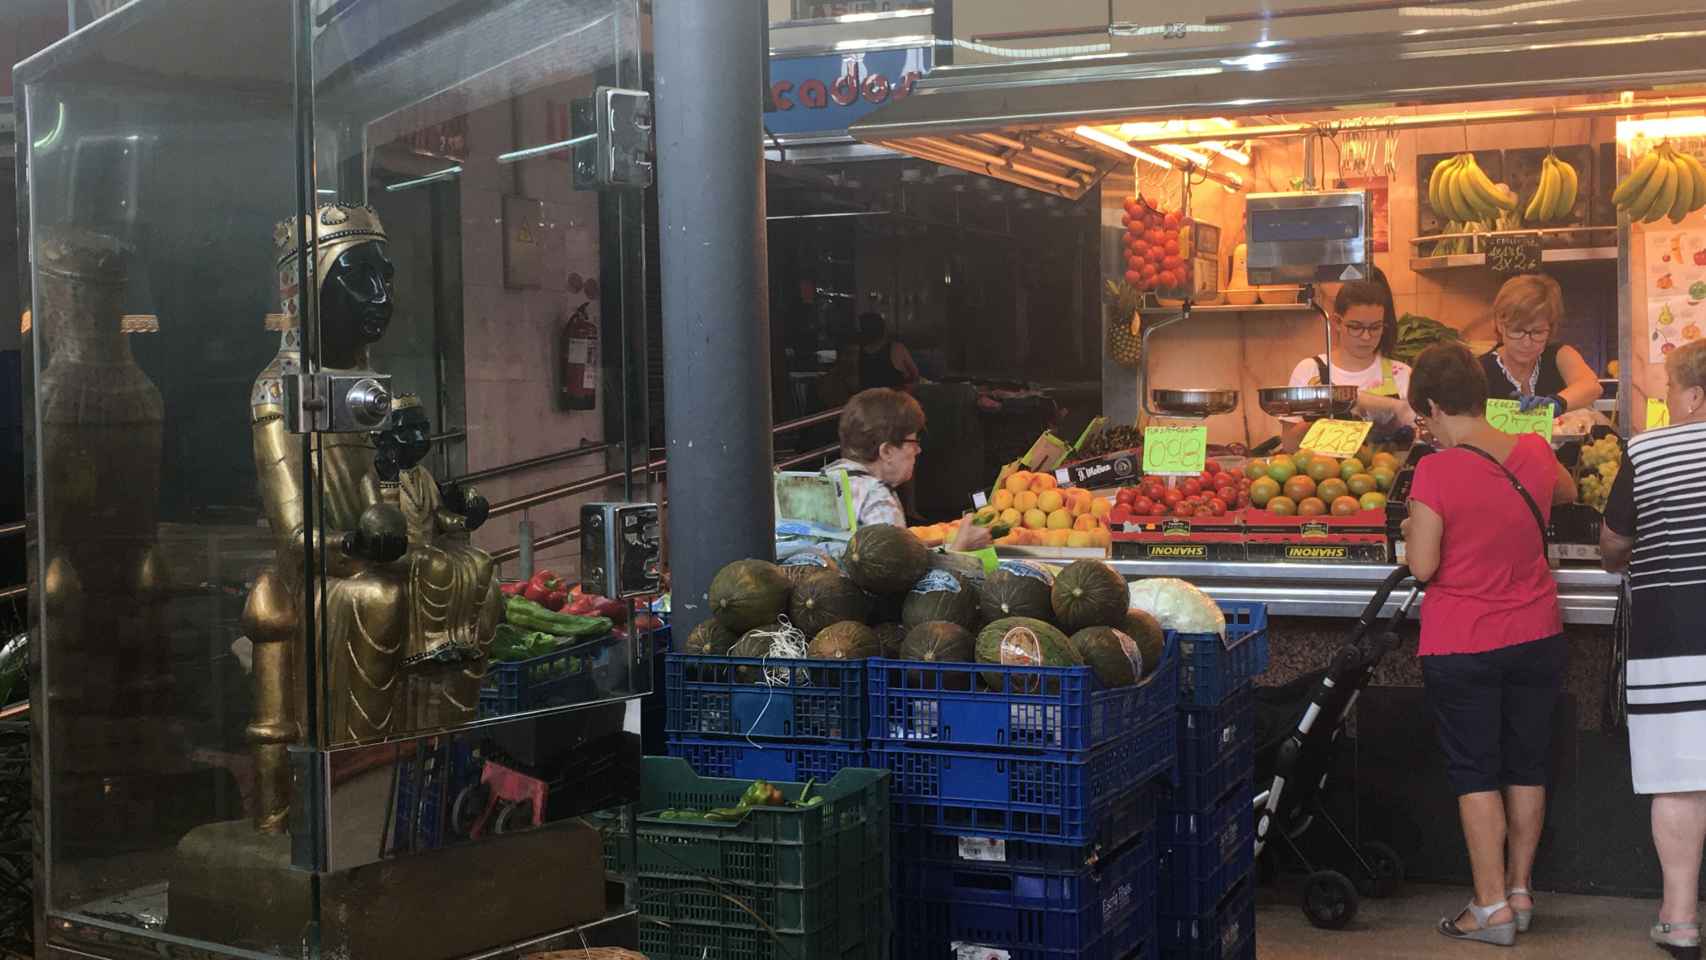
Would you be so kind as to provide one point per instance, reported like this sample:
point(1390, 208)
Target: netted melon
point(1089, 593)
point(1023, 642)
point(747, 594)
point(1144, 630)
point(710, 639)
point(825, 597)
point(1111, 655)
point(884, 558)
point(940, 595)
point(847, 640)
point(938, 641)
point(1017, 589)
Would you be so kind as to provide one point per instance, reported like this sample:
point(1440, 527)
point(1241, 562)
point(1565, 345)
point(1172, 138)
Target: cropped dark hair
point(1371, 293)
point(1447, 374)
point(875, 417)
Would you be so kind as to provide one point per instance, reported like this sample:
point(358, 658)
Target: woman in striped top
point(1655, 527)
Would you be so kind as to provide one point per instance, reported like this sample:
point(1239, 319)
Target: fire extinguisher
point(578, 388)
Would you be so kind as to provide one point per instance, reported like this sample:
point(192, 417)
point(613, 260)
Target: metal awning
point(1016, 121)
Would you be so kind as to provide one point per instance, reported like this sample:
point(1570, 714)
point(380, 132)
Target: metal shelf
point(1229, 308)
point(1560, 255)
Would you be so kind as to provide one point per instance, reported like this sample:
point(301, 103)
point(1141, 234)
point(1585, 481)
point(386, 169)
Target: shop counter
point(1589, 595)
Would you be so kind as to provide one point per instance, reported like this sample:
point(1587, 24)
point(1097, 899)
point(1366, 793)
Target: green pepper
point(726, 813)
point(756, 795)
point(529, 615)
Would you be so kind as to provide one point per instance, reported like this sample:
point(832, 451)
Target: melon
point(1111, 654)
point(1142, 627)
point(938, 641)
point(756, 644)
point(884, 607)
point(846, 640)
point(1023, 642)
point(710, 639)
point(807, 562)
point(939, 595)
point(824, 597)
point(747, 594)
point(884, 558)
point(1017, 589)
point(1089, 593)
point(890, 636)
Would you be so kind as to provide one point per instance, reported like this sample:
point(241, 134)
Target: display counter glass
point(289, 267)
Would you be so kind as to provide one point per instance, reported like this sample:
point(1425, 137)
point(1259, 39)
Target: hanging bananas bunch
point(1555, 198)
point(1665, 183)
point(1460, 190)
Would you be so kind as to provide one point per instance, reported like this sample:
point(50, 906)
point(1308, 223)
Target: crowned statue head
point(346, 243)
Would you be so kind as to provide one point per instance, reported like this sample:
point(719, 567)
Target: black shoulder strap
point(1534, 508)
point(1320, 370)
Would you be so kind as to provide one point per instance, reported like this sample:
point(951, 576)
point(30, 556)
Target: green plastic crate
point(691, 941)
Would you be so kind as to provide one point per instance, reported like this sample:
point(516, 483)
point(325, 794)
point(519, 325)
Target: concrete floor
point(1565, 928)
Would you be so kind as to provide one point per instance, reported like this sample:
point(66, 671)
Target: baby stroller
point(1298, 735)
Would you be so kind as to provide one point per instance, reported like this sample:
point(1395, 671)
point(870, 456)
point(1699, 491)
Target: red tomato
point(1166, 279)
point(1184, 510)
point(1133, 277)
point(1243, 500)
point(1207, 476)
point(1172, 497)
point(1217, 506)
point(1132, 206)
point(1154, 490)
point(1191, 485)
point(1171, 246)
point(1126, 495)
point(1155, 256)
point(1155, 237)
point(1158, 510)
point(1212, 466)
point(1135, 262)
point(1228, 493)
point(1120, 513)
point(1171, 263)
point(1172, 221)
point(1142, 505)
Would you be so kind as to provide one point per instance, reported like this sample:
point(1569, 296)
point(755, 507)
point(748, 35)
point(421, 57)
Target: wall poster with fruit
point(1675, 285)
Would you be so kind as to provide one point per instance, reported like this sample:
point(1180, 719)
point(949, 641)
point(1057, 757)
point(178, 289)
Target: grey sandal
point(1523, 917)
point(1499, 934)
point(1680, 940)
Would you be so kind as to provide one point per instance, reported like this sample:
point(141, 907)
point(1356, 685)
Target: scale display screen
point(1306, 224)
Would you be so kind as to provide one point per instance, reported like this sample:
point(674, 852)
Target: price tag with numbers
point(1507, 415)
point(1175, 451)
point(1513, 254)
point(1336, 438)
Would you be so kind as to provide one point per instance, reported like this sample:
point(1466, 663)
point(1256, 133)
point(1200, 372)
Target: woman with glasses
point(1365, 327)
point(1527, 366)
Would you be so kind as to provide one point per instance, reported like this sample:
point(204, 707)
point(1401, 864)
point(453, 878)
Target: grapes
point(1599, 464)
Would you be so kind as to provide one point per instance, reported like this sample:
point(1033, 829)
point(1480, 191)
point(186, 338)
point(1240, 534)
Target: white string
point(787, 643)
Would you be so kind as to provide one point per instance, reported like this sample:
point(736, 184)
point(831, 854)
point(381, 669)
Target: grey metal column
point(716, 321)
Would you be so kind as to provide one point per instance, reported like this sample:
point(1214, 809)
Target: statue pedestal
point(233, 885)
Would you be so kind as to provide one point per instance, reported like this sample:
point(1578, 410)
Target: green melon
point(890, 636)
point(825, 597)
point(1111, 655)
point(884, 607)
point(884, 558)
point(747, 594)
point(1089, 593)
point(939, 595)
point(1017, 589)
point(755, 644)
point(710, 639)
point(1142, 627)
point(1023, 642)
point(846, 640)
point(938, 641)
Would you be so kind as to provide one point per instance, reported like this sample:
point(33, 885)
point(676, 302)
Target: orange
point(1079, 538)
point(1042, 481)
point(1036, 519)
point(1050, 500)
point(1026, 502)
point(1003, 499)
point(1019, 481)
point(1085, 522)
point(1060, 519)
point(1011, 517)
point(1100, 507)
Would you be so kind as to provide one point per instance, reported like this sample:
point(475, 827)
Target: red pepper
point(583, 606)
point(616, 610)
point(512, 589)
point(536, 592)
point(547, 580)
point(556, 600)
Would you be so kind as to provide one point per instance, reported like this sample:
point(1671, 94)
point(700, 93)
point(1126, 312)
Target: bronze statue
point(389, 606)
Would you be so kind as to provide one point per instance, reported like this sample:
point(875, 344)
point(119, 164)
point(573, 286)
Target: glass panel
point(157, 167)
point(459, 265)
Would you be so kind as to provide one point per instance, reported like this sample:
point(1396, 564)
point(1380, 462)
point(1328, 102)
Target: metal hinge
point(356, 401)
point(621, 153)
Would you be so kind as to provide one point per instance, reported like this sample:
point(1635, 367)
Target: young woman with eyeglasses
point(1527, 366)
point(1365, 327)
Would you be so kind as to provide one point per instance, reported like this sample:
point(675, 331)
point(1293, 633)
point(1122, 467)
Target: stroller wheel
point(1385, 870)
point(1329, 899)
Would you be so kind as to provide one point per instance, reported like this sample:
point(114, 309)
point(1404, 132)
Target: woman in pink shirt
point(1492, 646)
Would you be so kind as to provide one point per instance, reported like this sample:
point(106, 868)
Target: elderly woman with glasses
point(1365, 327)
point(1527, 366)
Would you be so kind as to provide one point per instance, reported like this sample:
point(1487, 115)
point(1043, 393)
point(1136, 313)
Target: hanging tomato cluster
point(1156, 258)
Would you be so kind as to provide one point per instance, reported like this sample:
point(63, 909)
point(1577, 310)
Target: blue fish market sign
point(825, 93)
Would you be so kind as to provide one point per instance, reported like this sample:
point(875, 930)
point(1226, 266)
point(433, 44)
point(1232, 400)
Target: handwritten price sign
point(1510, 255)
point(1336, 438)
point(1507, 416)
point(1175, 451)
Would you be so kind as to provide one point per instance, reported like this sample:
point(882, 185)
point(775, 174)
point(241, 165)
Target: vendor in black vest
point(1365, 328)
point(1526, 365)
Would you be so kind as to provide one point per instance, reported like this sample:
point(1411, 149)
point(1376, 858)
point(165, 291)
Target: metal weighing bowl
point(1194, 403)
point(1315, 401)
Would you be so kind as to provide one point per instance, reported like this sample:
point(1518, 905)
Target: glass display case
point(294, 267)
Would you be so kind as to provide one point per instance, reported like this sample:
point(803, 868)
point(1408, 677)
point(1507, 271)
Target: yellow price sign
point(1507, 416)
point(1175, 451)
point(1336, 438)
point(1658, 414)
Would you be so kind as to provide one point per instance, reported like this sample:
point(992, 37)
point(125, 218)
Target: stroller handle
point(1382, 593)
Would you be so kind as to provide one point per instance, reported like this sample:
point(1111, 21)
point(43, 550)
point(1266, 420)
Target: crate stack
point(1024, 806)
point(1207, 826)
point(791, 721)
point(775, 883)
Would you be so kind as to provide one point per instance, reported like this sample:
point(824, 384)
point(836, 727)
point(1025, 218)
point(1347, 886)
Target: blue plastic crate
point(1046, 708)
point(1095, 914)
point(1204, 855)
point(560, 677)
point(1228, 933)
point(1211, 669)
point(1208, 735)
point(1058, 797)
point(1202, 791)
point(1126, 818)
point(428, 781)
point(790, 762)
point(816, 700)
